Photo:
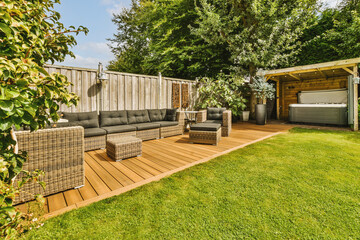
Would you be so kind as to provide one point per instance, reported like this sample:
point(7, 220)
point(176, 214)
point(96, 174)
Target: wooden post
point(180, 96)
point(283, 100)
point(99, 85)
point(160, 90)
point(277, 95)
point(278, 99)
point(356, 113)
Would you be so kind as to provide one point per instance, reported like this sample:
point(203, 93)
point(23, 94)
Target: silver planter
point(260, 114)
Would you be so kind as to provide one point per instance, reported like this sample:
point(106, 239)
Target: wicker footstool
point(207, 133)
point(124, 147)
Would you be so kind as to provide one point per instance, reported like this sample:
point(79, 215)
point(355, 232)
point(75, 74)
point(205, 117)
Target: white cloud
point(115, 6)
point(88, 55)
point(79, 61)
point(101, 48)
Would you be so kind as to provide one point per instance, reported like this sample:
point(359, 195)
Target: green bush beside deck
point(304, 184)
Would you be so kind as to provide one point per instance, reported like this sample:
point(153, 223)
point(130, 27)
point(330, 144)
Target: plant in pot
point(262, 91)
point(245, 115)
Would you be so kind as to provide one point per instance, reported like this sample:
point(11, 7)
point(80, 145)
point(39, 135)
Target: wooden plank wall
point(289, 90)
point(122, 91)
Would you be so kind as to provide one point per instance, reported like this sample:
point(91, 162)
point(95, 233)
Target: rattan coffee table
point(124, 147)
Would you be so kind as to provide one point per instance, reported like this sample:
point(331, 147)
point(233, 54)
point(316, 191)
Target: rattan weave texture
point(205, 137)
point(59, 152)
point(125, 147)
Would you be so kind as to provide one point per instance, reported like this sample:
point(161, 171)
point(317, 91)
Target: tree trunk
point(252, 70)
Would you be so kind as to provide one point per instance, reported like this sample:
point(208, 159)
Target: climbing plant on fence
point(30, 35)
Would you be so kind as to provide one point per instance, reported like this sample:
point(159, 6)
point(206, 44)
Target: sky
point(96, 15)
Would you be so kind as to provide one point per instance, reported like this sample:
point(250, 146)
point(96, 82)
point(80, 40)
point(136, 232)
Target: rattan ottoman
point(206, 133)
point(124, 147)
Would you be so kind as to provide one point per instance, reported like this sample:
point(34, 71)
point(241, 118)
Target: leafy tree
point(258, 33)
point(30, 35)
point(335, 35)
point(154, 35)
point(130, 43)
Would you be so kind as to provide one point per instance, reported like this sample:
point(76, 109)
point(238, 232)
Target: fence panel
point(122, 91)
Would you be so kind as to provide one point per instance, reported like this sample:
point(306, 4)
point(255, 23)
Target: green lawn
point(304, 184)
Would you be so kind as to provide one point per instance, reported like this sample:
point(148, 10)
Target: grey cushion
point(205, 127)
point(119, 129)
point(215, 113)
point(167, 123)
point(92, 132)
point(214, 121)
point(138, 116)
point(145, 126)
point(113, 118)
point(157, 114)
point(170, 114)
point(84, 119)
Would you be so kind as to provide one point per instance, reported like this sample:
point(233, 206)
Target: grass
point(304, 184)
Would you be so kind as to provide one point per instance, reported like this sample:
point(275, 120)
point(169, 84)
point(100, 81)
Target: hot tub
point(335, 114)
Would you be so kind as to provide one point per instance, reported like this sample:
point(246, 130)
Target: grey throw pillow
point(170, 114)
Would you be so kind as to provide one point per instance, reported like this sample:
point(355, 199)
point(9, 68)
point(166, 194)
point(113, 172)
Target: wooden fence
point(125, 91)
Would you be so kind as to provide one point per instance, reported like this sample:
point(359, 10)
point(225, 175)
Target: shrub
point(30, 35)
point(225, 91)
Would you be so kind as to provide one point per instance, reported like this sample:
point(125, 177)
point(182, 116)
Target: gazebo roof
point(315, 71)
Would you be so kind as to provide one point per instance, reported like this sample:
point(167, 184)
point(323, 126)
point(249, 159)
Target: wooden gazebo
point(321, 76)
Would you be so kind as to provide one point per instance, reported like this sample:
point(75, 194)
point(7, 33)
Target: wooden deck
point(160, 158)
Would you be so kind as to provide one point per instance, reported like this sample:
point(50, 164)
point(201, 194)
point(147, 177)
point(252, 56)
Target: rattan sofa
point(59, 152)
point(143, 124)
point(216, 115)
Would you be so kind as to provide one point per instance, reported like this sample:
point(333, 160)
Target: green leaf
point(5, 28)
point(21, 82)
point(6, 105)
point(11, 93)
point(5, 125)
point(11, 211)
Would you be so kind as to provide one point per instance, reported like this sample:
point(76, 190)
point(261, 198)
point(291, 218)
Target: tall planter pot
point(260, 114)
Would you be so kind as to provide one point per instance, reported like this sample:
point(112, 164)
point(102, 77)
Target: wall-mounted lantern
point(101, 74)
point(356, 80)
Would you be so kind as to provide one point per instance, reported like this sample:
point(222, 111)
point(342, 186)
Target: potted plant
point(262, 90)
point(245, 116)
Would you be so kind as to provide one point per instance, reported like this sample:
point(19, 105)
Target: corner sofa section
point(144, 124)
point(94, 136)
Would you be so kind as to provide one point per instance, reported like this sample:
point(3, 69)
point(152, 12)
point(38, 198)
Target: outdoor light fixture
point(101, 75)
point(356, 80)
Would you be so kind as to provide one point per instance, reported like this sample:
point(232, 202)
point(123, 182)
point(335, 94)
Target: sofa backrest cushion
point(84, 119)
point(113, 118)
point(170, 114)
point(137, 116)
point(215, 113)
point(157, 114)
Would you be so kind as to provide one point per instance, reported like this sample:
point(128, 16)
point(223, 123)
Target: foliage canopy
point(155, 36)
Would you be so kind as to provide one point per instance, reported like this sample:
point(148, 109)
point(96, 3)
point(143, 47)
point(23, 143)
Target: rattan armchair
point(59, 152)
point(224, 119)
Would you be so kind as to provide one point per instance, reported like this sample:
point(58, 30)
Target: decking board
point(105, 178)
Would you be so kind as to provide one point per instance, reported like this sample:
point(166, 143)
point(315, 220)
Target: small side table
point(125, 147)
point(190, 118)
